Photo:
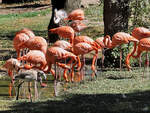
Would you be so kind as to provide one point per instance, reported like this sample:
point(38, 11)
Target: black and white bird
point(29, 76)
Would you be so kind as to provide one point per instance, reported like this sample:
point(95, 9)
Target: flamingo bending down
point(18, 39)
point(77, 14)
point(55, 54)
point(144, 45)
point(29, 76)
point(36, 43)
point(12, 65)
point(64, 32)
point(140, 33)
point(117, 40)
point(35, 58)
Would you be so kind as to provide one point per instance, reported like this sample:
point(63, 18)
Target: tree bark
point(116, 14)
point(68, 6)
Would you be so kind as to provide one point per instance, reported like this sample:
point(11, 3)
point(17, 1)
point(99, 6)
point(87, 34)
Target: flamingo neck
point(109, 42)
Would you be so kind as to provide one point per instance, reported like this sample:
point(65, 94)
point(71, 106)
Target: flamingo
point(27, 31)
point(143, 45)
point(12, 65)
point(29, 76)
point(117, 40)
point(66, 46)
point(86, 39)
point(82, 49)
point(140, 33)
point(65, 32)
point(63, 44)
point(100, 42)
point(77, 14)
point(35, 57)
point(19, 38)
point(55, 54)
point(36, 43)
point(78, 26)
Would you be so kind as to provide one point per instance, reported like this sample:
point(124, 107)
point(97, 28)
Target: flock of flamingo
point(33, 52)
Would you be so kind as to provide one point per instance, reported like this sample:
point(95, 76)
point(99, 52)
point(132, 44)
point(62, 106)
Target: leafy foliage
point(140, 13)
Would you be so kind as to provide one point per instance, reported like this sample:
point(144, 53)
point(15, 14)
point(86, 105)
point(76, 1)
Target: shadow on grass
point(137, 102)
point(27, 6)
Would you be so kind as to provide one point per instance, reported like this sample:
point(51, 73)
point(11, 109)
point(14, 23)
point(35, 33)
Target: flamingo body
point(77, 14)
point(140, 32)
point(35, 57)
point(63, 44)
point(27, 31)
point(65, 32)
point(36, 43)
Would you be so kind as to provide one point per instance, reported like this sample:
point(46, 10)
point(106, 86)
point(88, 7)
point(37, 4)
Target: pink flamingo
point(36, 58)
point(77, 14)
point(64, 32)
point(36, 43)
point(12, 65)
point(19, 38)
point(117, 40)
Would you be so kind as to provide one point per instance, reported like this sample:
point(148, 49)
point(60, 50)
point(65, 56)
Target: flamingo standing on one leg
point(117, 40)
point(12, 65)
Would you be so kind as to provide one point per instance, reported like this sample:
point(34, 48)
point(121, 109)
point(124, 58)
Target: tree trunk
point(68, 6)
point(116, 14)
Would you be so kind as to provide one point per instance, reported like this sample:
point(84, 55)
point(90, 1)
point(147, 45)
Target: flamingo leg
point(17, 97)
point(103, 57)
point(36, 90)
point(82, 68)
point(55, 81)
point(10, 73)
point(93, 62)
point(29, 89)
point(120, 58)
